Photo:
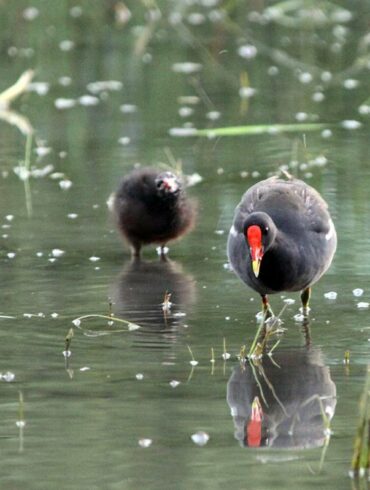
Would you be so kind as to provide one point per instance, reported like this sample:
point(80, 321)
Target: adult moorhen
point(282, 238)
point(150, 206)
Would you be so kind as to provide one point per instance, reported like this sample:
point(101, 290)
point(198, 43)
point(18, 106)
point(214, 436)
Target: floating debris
point(363, 305)
point(66, 45)
point(350, 83)
point(124, 140)
point(88, 100)
point(174, 383)
point(106, 85)
point(200, 438)
point(213, 115)
point(30, 13)
point(351, 124)
point(145, 442)
point(63, 103)
point(8, 376)
point(85, 368)
point(40, 88)
point(186, 67)
point(247, 51)
point(182, 132)
point(128, 108)
point(65, 184)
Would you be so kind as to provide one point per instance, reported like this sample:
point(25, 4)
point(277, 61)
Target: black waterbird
point(282, 238)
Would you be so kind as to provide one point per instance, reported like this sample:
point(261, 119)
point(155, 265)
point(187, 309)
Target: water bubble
point(76, 322)
point(139, 376)
point(8, 377)
point(226, 356)
point(174, 383)
point(194, 362)
point(200, 438)
point(85, 368)
point(72, 215)
point(299, 317)
point(11, 255)
point(20, 424)
point(289, 301)
point(358, 292)
point(93, 258)
point(54, 315)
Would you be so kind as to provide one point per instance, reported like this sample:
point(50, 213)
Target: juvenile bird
point(151, 206)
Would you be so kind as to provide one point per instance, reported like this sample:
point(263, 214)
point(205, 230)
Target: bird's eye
point(159, 183)
point(265, 230)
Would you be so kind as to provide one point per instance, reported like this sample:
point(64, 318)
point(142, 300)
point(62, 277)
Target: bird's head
point(167, 184)
point(259, 232)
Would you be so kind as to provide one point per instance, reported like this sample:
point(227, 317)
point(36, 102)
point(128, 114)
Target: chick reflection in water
point(139, 294)
point(284, 402)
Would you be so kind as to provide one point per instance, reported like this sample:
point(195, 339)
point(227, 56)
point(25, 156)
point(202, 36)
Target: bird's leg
point(135, 250)
point(305, 298)
point(266, 308)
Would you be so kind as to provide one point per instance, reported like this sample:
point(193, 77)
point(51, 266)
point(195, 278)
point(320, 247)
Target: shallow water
point(88, 416)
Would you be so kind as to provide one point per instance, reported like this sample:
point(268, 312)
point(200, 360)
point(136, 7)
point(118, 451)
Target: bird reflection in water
point(139, 294)
point(284, 401)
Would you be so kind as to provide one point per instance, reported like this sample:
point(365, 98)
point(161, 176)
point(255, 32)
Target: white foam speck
point(200, 438)
point(145, 442)
point(358, 292)
point(331, 295)
point(174, 383)
point(362, 305)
